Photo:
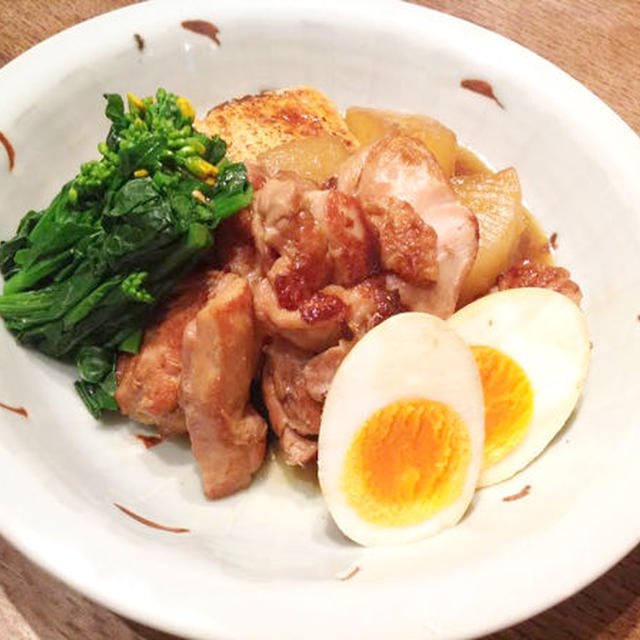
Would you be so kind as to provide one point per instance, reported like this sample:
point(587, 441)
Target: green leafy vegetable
point(83, 275)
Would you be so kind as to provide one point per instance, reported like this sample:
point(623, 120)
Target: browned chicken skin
point(401, 168)
point(314, 336)
point(408, 245)
point(308, 239)
point(351, 242)
point(533, 274)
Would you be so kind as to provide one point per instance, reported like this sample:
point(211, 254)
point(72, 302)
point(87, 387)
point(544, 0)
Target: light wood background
point(596, 41)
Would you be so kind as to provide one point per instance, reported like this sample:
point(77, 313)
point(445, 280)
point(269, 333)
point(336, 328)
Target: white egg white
point(547, 335)
point(409, 356)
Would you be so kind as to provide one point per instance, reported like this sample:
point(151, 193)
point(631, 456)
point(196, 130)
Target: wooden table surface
point(596, 41)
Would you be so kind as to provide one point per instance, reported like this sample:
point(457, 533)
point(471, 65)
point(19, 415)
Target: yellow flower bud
point(136, 102)
point(186, 108)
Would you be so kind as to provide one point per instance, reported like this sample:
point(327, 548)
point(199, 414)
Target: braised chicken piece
point(319, 370)
point(295, 384)
point(295, 380)
point(294, 414)
point(367, 304)
point(402, 168)
point(303, 268)
point(275, 218)
point(234, 249)
point(193, 373)
point(149, 382)
point(352, 245)
point(219, 358)
point(317, 325)
point(308, 239)
point(533, 274)
point(408, 245)
point(298, 450)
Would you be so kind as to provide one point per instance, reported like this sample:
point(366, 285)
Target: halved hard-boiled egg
point(532, 349)
point(401, 439)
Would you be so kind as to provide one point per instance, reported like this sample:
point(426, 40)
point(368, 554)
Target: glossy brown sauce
point(149, 523)
point(19, 410)
point(534, 244)
point(482, 87)
point(203, 28)
point(9, 149)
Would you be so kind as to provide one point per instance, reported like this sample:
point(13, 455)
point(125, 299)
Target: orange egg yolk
point(508, 402)
point(408, 462)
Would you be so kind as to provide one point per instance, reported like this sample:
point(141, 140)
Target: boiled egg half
point(402, 433)
point(532, 350)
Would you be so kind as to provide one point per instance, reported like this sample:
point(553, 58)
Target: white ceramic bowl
point(263, 564)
